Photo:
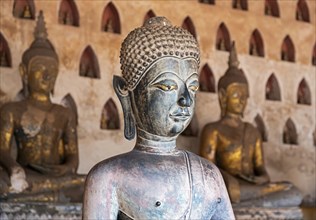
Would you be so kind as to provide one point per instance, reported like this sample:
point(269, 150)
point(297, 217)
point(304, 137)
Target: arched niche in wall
point(68, 13)
point(256, 46)
point(110, 117)
point(314, 56)
point(89, 65)
point(222, 38)
point(271, 8)
point(303, 93)
point(273, 91)
point(110, 19)
point(189, 26)
point(240, 4)
point(207, 80)
point(24, 9)
point(288, 50)
point(193, 128)
point(302, 12)
point(70, 103)
point(289, 133)
point(261, 127)
point(149, 14)
point(210, 2)
point(5, 59)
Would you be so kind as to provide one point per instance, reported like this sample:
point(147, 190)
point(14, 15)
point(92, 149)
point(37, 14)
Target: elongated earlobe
point(222, 101)
point(119, 85)
point(23, 73)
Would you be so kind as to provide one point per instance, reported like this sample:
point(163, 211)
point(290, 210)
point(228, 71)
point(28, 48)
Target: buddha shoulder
point(12, 108)
point(212, 127)
point(251, 129)
point(62, 111)
point(106, 169)
point(208, 169)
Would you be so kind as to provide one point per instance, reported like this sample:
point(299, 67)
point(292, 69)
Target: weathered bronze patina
point(236, 147)
point(157, 92)
point(45, 133)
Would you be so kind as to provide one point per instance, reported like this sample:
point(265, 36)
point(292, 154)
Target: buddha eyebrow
point(192, 76)
point(164, 73)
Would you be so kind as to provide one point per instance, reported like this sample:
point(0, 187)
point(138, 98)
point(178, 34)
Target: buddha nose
point(46, 76)
point(185, 99)
point(242, 100)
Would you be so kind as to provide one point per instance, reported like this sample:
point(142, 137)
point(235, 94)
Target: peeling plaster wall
point(295, 163)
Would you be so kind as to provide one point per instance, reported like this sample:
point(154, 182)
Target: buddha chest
point(160, 187)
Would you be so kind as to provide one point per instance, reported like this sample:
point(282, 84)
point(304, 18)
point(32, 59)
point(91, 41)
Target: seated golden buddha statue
point(236, 147)
point(45, 134)
point(155, 180)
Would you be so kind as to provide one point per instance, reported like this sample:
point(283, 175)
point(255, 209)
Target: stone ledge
point(43, 211)
point(72, 211)
point(253, 213)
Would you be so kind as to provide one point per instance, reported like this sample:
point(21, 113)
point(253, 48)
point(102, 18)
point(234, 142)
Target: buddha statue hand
point(254, 179)
point(54, 170)
point(261, 179)
point(18, 180)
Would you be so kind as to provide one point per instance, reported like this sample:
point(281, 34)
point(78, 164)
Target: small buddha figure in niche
point(45, 134)
point(155, 180)
point(109, 26)
point(267, 10)
point(221, 44)
point(65, 18)
point(253, 50)
point(236, 148)
point(27, 12)
point(68, 19)
point(284, 55)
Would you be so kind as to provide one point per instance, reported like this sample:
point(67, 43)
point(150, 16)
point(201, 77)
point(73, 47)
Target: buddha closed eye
point(194, 85)
point(166, 85)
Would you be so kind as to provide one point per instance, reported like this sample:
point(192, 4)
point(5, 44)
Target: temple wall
point(295, 163)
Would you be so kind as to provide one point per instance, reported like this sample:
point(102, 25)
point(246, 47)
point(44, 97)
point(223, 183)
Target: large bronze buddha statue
point(236, 148)
point(45, 133)
point(155, 180)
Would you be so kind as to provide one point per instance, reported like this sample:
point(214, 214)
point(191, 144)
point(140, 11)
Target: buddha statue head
point(159, 64)
point(39, 66)
point(233, 87)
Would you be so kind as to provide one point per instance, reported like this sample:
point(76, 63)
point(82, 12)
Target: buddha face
point(236, 98)
point(163, 101)
point(42, 74)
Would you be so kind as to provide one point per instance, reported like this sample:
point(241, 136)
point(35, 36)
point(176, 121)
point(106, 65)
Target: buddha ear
point(222, 100)
point(119, 85)
point(22, 70)
point(23, 73)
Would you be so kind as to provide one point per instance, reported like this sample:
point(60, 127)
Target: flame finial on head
point(41, 46)
point(233, 74)
point(40, 31)
point(233, 59)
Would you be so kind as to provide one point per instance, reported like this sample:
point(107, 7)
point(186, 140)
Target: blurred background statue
point(236, 147)
point(45, 133)
point(155, 180)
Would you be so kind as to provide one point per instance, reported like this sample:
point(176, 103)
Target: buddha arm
point(100, 200)
point(259, 168)
point(224, 209)
point(208, 143)
point(71, 144)
point(6, 132)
